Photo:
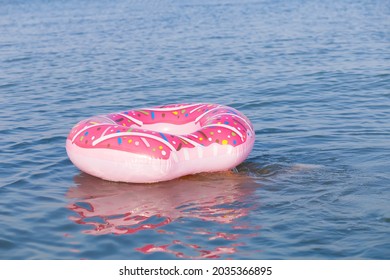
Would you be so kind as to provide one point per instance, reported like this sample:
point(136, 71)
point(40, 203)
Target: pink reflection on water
point(202, 254)
point(116, 208)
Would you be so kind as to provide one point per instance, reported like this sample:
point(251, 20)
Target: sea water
point(312, 76)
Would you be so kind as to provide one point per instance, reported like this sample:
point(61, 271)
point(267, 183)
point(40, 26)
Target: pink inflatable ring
point(161, 143)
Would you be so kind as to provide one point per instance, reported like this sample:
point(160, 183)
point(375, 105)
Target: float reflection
point(119, 208)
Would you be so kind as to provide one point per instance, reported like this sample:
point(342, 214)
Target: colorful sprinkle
point(204, 135)
point(164, 137)
point(224, 142)
point(145, 142)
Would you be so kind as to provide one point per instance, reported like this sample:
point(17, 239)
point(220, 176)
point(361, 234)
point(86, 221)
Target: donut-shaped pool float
point(161, 143)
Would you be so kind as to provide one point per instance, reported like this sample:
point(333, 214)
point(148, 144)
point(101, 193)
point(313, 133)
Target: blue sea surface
point(312, 76)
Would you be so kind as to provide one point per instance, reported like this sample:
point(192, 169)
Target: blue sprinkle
point(152, 114)
point(234, 142)
point(226, 122)
point(163, 136)
point(119, 141)
point(86, 133)
point(186, 115)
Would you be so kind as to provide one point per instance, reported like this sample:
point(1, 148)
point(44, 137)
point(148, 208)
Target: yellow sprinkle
point(160, 147)
point(200, 138)
point(211, 133)
point(224, 142)
point(233, 133)
point(175, 113)
point(130, 140)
